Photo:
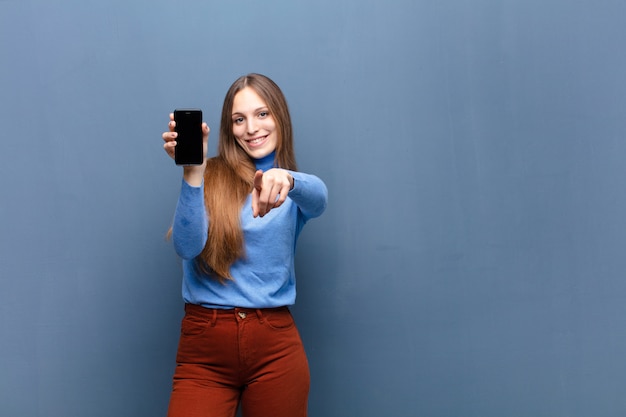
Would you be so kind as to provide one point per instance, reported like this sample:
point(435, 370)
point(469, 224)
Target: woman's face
point(253, 125)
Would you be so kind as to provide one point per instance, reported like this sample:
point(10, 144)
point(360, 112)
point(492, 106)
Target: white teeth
point(257, 140)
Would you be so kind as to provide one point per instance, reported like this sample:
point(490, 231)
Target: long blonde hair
point(228, 177)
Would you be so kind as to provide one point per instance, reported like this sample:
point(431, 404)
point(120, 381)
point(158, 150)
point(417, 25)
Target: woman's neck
point(265, 163)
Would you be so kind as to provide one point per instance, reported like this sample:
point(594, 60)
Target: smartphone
point(188, 150)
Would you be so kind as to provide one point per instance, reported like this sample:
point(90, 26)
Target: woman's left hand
point(270, 190)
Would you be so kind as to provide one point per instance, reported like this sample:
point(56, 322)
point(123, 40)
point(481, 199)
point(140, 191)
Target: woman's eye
point(263, 114)
point(238, 120)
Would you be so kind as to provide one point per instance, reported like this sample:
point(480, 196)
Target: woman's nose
point(251, 126)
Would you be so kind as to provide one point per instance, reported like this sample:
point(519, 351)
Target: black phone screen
point(188, 150)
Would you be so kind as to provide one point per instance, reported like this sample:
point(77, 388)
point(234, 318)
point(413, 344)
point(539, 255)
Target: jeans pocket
point(193, 326)
point(279, 320)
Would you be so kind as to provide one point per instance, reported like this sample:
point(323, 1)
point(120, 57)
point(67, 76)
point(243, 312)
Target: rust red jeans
point(247, 356)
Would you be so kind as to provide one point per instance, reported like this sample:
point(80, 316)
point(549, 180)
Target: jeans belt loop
point(259, 314)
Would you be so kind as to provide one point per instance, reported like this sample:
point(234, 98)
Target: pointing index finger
point(258, 180)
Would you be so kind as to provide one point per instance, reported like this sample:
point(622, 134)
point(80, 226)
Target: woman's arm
point(272, 187)
point(190, 228)
point(309, 193)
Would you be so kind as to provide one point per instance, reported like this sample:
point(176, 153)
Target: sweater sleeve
point(190, 227)
point(309, 193)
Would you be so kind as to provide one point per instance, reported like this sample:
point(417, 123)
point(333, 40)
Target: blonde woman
point(236, 224)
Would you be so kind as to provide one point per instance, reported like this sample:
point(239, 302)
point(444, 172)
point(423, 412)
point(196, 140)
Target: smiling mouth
point(256, 141)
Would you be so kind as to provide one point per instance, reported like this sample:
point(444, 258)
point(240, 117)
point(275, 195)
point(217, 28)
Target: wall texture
point(471, 259)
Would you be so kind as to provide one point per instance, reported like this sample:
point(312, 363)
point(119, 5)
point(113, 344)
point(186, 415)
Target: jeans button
point(242, 315)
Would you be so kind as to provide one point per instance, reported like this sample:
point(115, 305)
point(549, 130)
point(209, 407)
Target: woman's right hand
point(193, 174)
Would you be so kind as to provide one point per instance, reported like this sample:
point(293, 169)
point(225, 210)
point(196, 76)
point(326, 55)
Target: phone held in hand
point(189, 149)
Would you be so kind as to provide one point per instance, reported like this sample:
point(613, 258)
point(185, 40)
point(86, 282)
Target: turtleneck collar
point(265, 163)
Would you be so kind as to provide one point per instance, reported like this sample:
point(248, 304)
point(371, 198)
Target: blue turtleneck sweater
point(265, 277)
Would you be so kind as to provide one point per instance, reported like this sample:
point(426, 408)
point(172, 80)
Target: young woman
point(236, 223)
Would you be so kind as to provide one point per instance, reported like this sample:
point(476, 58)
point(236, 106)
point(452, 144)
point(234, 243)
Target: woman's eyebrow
point(254, 111)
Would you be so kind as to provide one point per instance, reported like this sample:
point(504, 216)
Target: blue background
point(470, 262)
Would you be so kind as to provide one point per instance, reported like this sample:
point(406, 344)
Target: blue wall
point(471, 259)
